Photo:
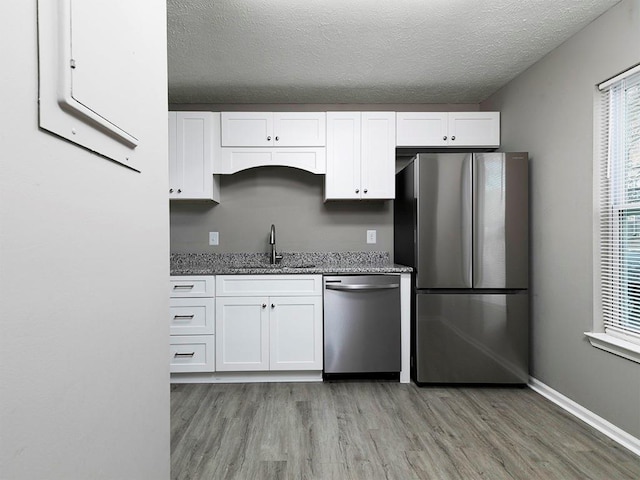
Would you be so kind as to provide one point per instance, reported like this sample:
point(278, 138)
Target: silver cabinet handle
point(171, 190)
point(365, 190)
point(362, 287)
point(178, 354)
point(183, 317)
point(179, 191)
point(178, 287)
point(269, 138)
point(264, 305)
point(277, 138)
point(453, 137)
point(357, 190)
point(444, 138)
point(273, 305)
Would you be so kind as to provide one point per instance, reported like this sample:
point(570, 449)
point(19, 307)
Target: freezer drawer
point(471, 338)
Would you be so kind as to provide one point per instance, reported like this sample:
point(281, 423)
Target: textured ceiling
point(361, 51)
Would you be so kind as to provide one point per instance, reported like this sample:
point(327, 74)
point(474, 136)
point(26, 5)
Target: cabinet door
point(473, 129)
point(247, 129)
point(242, 334)
point(378, 155)
point(175, 169)
point(299, 129)
point(422, 129)
point(191, 156)
point(295, 326)
point(342, 180)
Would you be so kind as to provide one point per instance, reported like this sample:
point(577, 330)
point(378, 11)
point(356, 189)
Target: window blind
point(620, 205)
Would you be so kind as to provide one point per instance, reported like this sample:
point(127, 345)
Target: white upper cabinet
point(377, 168)
point(259, 139)
point(247, 129)
point(360, 155)
point(342, 180)
point(267, 129)
point(469, 129)
point(448, 129)
point(422, 129)
point(193, 137)
point(299, 129)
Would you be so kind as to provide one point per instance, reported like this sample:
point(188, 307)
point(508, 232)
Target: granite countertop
point(292, 263)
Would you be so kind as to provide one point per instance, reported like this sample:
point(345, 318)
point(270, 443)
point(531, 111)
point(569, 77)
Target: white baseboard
point(609, 429)
point(247, 377)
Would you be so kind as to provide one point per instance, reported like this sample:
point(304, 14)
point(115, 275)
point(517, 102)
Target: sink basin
point(278, 265)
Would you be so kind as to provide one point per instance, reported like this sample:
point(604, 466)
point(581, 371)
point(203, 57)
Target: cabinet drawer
point(265, 285)
point(192, 286)
point(191, 316)
point(193, 353)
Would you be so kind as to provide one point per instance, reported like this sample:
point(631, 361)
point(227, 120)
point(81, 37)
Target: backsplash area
point(290, 199)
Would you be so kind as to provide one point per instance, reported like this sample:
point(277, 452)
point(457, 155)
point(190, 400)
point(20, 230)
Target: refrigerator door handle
point(467, 220)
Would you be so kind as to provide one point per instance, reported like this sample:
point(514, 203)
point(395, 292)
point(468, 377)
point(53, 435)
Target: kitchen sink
point(268, 265)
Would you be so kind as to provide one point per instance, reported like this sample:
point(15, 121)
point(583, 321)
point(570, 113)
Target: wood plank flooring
point(383, 430)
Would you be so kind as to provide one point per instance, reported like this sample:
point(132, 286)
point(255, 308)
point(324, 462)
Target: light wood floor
point(383, 430)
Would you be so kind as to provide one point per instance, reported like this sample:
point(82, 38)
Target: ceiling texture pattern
point(361, 51)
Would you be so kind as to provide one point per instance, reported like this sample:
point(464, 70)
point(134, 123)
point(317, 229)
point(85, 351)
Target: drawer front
point(265, 285)
point(193, 353)
point(191, 316)
point(192, 286)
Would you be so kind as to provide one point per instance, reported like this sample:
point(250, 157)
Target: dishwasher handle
point(362, 286)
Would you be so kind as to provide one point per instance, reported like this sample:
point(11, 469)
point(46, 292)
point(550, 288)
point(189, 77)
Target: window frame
point(618, 343)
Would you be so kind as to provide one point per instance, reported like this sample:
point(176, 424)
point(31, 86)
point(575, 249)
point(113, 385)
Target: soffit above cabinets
point(359, 51)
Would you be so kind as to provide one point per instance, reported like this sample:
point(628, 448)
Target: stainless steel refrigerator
point(461, 221)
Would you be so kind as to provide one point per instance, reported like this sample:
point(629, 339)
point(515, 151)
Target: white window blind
point(620, 205)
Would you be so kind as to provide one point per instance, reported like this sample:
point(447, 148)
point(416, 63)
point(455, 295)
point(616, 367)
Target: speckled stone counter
point(292, 263)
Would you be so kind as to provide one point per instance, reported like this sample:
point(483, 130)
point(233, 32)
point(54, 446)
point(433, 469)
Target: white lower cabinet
point(242, 341)
point(191, 324)
point(259, 330)
point(191, 353)
point(295, 333)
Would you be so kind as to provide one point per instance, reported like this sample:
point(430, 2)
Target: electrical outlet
point(214, 239)
point(371, 236)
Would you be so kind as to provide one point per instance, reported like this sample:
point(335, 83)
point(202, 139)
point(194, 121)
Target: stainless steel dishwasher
point(361, 324)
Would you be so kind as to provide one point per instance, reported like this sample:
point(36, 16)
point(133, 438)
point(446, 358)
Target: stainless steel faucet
point(275, 257)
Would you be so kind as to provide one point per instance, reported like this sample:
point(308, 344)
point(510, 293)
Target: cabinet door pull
point(264, 305)
point(183, 317)
point(268, 138)
point(273, 305)
point(357, 190)
point(178, 354)
point(444, 138)
point(171, 190)
point(365, 190)
point(453, 137)
point(277, 138)
point(186, 287)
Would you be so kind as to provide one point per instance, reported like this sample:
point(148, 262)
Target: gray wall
point(549, 111)
point(84, 377)
point(291, 199)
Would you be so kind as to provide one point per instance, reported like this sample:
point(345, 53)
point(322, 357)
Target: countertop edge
point(325, 270)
